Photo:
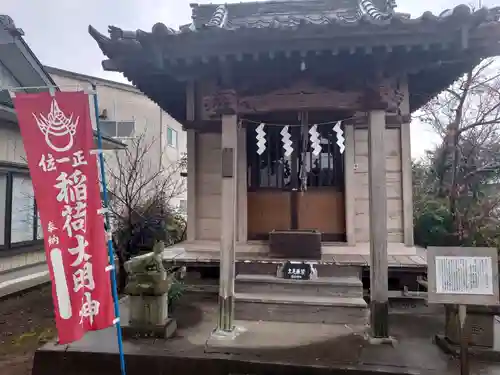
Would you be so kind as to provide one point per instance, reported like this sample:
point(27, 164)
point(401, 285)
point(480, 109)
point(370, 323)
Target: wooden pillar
point(407, 185)
point(228, 221)
point(378, 224)
point(242, 186)
point(350, 199)
point(191, 162)
point(191, 184)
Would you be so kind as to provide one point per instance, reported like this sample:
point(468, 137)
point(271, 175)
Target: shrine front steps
point(329, 300)
point(348, 286)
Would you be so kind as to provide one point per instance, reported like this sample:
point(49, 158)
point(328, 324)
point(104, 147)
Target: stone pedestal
point(149, 317)
point(479, 325)
point(481, 330)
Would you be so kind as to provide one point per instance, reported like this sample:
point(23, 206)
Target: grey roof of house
point(7, 23)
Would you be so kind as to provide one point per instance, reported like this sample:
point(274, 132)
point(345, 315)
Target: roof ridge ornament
point(219, 18)
point(368, 7)
point(7, 23)
point(374, 12)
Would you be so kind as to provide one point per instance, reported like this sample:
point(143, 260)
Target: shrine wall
point(393, 182)
point(208, 186)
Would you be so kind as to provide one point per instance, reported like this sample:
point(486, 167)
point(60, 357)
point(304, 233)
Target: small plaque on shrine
point(296, 271)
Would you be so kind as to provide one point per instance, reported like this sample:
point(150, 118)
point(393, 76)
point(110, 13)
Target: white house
point(127, 113)
point(22, 257)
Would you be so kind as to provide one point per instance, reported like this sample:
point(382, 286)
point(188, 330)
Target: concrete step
point(322, 286)
point(301, 309)
point(21, 279)
point(324, 270)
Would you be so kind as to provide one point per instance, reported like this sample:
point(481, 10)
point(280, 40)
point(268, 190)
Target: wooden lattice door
point(298, 191)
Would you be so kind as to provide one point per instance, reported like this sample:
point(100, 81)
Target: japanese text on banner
point(65, 181)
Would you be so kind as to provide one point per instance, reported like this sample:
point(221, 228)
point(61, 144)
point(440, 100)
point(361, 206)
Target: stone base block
point(148, 310)
point(477, 352)
point(479, 325)
point(163, 331)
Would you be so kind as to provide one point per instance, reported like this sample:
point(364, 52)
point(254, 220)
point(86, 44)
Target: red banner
point(57, 136)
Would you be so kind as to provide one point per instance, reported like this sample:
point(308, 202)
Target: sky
point(56, 31)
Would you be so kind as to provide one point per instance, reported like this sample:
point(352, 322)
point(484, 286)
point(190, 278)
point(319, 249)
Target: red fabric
point(57, 136)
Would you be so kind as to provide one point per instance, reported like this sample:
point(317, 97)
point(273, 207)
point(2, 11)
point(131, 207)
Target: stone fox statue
point(146, 274)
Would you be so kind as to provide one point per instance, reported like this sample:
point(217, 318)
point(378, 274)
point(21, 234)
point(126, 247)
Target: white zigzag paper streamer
point(315, 143)
point(287, 143)
point(261, 139)
point(340, 137)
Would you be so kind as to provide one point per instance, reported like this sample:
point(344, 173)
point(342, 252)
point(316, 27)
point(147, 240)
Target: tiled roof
point(287, 13)
point(447, 43)
point(221, 19)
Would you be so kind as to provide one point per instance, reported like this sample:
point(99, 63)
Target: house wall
point(12, 151)
point(208, 186)
point(123, 103)
point(11, 143)
point(393, 181)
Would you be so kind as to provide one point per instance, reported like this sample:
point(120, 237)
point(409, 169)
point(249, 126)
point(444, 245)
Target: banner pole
point(110, 242)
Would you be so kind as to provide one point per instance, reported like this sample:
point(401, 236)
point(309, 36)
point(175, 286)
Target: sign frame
point(461, 299)
point(298, 266)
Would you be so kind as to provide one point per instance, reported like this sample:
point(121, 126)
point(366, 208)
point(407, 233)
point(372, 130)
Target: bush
point(433, 225)
point(137, 229)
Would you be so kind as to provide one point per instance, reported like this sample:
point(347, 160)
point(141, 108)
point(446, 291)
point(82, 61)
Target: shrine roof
point(220, 32)
point(287, 13)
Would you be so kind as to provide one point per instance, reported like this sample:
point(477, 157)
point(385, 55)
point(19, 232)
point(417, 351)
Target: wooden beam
point(191, 164)
point(111, 66)
point(377, 184)
point(350, 183)
point(302, 96)
point(228, 234)
point(407, 185)
point(391, 121)
point(203, 126)
point(242, 186)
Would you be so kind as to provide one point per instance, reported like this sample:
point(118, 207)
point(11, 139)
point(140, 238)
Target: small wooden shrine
point(297, 115)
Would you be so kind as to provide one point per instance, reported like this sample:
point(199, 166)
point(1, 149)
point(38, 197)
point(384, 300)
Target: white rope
point(282, 125)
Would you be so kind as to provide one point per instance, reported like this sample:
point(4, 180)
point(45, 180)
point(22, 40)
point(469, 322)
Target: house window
point(39, 229)
point(183, 205)
point(3, 198)
point(117, 129)
point(19, 220)
point(172, 137)
point(23, 214)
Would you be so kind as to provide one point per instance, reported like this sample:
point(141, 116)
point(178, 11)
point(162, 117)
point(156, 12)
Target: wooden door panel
point(323, 210)
point(268, 210)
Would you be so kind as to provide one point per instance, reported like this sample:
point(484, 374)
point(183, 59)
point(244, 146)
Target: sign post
point(463, 276)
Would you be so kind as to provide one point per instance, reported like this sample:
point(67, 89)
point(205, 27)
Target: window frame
point(8, 248)
point(172, 132)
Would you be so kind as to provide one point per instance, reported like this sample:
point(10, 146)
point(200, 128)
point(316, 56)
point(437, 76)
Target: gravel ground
point(26, 323)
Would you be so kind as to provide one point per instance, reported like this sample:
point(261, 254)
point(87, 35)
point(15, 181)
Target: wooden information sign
point(463, 276)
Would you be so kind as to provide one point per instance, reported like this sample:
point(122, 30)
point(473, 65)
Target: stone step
point(301, 309)
point(322, 286)
point(324, 270)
